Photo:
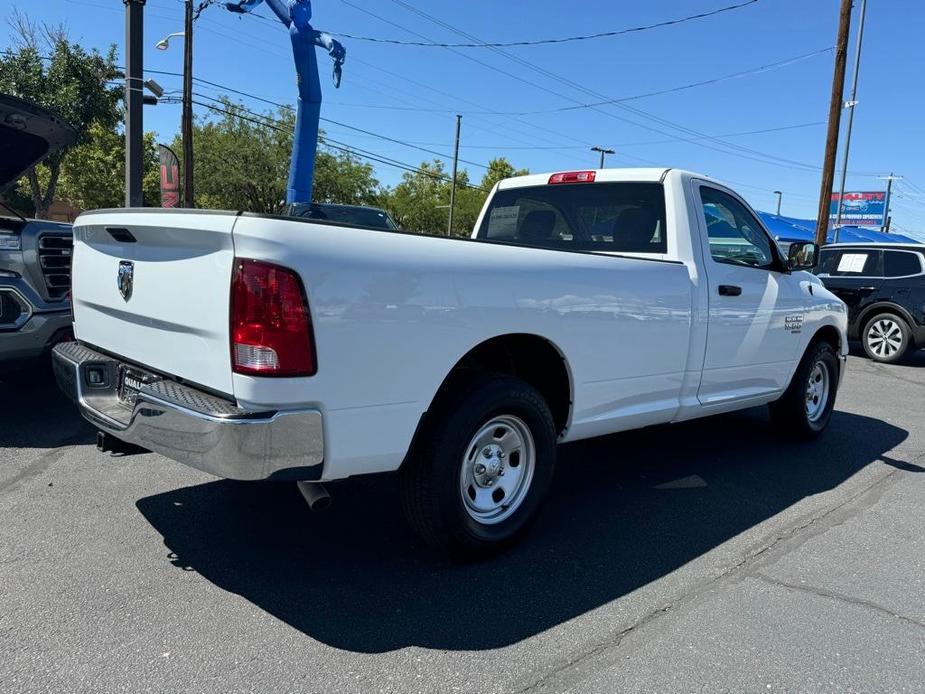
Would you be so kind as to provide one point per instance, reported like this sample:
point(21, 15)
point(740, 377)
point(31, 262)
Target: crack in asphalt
point(607, 644)
point(836, 595)
point(886, 372)
point(42, 463)
point(763, 556)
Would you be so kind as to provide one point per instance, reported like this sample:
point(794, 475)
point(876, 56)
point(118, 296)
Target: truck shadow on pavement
point(626, 510)
point(35, 414)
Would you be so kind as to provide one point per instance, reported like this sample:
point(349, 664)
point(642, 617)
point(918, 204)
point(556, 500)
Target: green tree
point(499, 169)
point(343, 178)
point(421, 201)
point(241, 161)
point(71, 81)
point(93, 173)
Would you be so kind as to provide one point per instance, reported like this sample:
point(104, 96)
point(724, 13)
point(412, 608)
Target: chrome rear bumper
point(190, 426)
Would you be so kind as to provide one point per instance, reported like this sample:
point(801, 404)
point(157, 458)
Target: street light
point(154, 88)
point(187, 118)
point(604, 151)
point(779, 198)
point(164, 43)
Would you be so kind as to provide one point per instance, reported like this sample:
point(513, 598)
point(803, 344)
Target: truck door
point(755, 311)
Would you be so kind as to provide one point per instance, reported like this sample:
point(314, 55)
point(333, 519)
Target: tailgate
point(153, 287)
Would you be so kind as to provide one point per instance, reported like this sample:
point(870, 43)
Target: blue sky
point(412, 93)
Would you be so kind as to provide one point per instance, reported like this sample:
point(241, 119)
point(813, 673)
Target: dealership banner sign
point(170, 177)
point(859, 209)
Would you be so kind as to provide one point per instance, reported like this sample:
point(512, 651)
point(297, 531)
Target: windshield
point(369, 217)
point(612, 217)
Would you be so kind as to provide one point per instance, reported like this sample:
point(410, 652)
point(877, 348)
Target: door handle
point(730, 290)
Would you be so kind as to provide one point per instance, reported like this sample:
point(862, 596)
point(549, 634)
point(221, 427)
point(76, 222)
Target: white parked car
point(585, 303)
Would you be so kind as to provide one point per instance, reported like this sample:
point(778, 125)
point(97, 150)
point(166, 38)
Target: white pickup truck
point(266, 348)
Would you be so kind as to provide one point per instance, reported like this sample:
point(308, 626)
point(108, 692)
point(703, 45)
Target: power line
point(913, 186)
point(477, 61)
point(701, 136)
point(698, 139)
point(460, 99)
point(544, 72)
point(273, 50)
point(715, 80)
point(264, 121)
point(542, 42)
point(365, 132)
point(722, 146)
point(736, 75)
point(327, 120)
point(695, 140)
point(354, 60)
point(575, 85)
point(627, 144)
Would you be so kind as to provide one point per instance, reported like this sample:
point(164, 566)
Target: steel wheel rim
point(497, 469)
point(817, 392)
point(884, 337)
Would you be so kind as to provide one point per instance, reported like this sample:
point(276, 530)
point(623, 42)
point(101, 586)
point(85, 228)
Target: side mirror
point(803, 255)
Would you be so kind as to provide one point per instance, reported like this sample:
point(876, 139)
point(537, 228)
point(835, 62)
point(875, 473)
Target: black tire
point(431, 478)
point(790, 414)
point(880, 349)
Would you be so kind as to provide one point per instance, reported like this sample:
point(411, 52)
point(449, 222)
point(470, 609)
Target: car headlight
point(9, 242)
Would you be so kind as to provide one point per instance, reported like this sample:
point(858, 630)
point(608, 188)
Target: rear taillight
point(573, 177)
point(271, 328)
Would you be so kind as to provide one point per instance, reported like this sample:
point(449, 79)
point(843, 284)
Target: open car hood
point(28, 134)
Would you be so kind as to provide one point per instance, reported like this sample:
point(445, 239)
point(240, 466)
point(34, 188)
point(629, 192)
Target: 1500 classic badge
point(794, 323)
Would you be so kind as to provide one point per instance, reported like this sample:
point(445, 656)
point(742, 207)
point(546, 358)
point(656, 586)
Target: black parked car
point(884, 288)
point(353, 215)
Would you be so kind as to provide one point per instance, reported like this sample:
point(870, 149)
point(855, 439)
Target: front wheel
point(476, 480)
point(806, 406)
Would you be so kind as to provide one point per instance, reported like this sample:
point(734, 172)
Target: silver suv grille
point(55, 254)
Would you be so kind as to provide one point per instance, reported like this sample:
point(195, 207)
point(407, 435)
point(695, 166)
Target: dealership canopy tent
point(789, 229)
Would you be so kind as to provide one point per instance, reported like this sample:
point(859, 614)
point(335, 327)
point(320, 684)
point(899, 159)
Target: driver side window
point(735, 235)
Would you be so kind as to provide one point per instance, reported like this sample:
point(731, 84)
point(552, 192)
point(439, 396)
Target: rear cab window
point(611, 217)
point(850, 262)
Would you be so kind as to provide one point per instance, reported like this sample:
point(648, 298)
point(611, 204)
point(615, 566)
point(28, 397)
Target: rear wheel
point(886, 338)
point(476, 480)
point(806, 406)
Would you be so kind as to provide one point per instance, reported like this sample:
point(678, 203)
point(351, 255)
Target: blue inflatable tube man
point(296, 15)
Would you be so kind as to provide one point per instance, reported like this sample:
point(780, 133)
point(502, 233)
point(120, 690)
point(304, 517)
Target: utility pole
point(835, 108)
point(850, 104)
point(187, 124)
point(604, 151)
point(449, 228)
point(886, 203)
point(134, 101)
point(780, 197)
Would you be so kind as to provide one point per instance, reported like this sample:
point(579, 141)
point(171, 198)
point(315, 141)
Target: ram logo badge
point(126, 279)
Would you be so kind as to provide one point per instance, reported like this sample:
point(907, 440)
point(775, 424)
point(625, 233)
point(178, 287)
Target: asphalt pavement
point(706, 556)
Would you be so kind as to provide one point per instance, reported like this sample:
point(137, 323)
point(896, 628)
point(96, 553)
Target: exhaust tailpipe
point(316, 495)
